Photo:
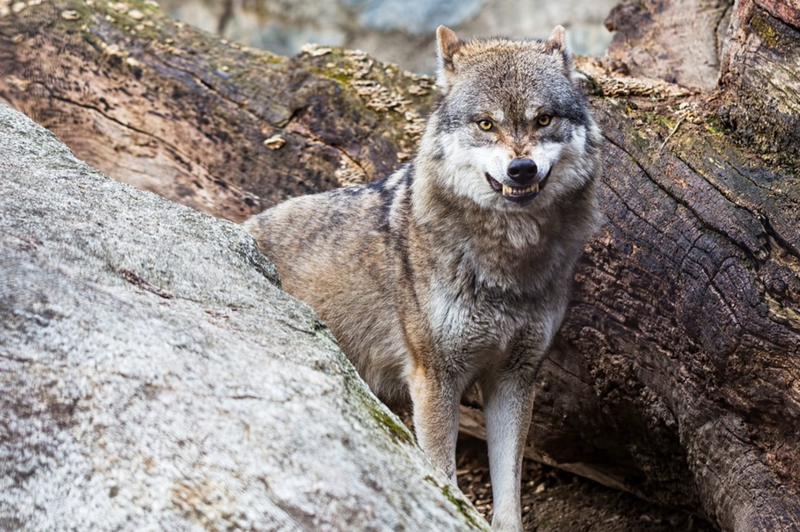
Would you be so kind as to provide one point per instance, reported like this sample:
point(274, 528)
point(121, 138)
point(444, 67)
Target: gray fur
point(444, 275)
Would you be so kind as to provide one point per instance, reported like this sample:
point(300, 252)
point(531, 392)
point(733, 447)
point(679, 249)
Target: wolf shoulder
point(334, 222)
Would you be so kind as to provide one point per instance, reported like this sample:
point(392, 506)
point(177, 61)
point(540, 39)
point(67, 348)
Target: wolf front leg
point(508, 403)
point(436, 401)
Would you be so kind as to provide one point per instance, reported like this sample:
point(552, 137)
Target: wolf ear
point(449, 43)
point(556, 42)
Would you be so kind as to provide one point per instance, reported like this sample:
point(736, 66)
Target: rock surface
point(154, 377)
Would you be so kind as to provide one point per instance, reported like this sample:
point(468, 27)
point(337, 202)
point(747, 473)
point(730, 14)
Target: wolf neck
point(438, 209)
point(499, 247)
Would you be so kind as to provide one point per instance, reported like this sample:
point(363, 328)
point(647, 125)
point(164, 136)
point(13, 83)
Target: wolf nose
point(522, 171)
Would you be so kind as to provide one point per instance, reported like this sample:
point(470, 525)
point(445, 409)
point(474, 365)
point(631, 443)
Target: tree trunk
point(677, 372)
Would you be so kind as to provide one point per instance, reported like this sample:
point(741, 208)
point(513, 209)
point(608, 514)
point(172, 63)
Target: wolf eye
point(485, 125)
point(544, 120)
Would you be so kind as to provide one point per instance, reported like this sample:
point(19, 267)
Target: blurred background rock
point(398, 31)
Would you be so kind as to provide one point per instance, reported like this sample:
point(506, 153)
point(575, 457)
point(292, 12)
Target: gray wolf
point(455, 270)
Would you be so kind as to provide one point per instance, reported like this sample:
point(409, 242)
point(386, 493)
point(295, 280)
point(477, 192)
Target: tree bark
point(678, 43)
point(677, 372)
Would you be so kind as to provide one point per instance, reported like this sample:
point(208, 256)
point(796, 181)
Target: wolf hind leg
point(508, 404)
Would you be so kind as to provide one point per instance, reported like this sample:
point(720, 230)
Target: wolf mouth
point(517, 194)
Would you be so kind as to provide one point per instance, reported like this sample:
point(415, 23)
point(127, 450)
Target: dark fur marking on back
point(400, 239)
point(388, 193)
point(354, 190)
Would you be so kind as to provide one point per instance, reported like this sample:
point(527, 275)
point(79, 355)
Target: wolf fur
point(450, 273)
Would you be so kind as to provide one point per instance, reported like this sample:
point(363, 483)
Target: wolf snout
point(522, 171)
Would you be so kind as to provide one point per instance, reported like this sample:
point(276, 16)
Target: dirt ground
point(557, 501)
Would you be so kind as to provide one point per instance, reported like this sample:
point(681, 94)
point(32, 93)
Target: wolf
point(455, 271)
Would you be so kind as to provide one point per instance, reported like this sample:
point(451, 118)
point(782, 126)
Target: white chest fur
point(471, 329)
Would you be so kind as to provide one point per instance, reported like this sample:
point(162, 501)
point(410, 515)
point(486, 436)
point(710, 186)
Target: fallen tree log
point(214, 125)
point(676, 375)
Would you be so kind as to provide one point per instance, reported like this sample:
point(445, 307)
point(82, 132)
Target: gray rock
point(153, 377)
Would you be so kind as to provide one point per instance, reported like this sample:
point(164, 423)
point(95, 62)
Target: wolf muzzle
point(522, 171)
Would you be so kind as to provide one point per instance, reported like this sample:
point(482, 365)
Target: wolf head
point(513, 128)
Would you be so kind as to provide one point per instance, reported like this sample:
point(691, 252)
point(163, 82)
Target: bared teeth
point(509, 191)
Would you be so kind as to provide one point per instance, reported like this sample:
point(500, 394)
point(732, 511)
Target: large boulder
point(153, 376)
